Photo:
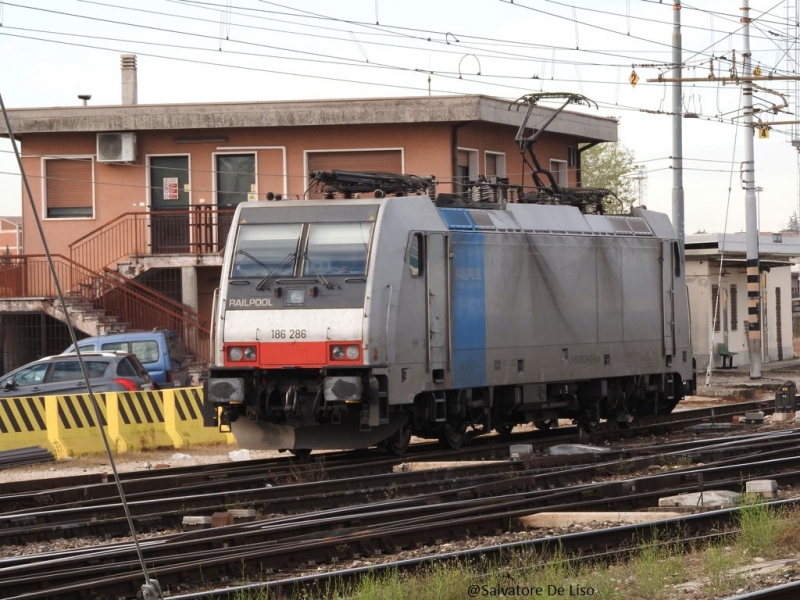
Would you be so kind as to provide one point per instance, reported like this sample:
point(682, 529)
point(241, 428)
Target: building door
point(169, 204)
point(236, 183)
point(438, 318)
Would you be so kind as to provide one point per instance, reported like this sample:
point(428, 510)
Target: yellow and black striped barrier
point(68, 425)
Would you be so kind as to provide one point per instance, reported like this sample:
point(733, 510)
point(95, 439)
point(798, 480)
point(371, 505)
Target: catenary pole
point(677, 129)
point(751, 209)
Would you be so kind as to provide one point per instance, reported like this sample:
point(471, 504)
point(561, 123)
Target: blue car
point(160, 351)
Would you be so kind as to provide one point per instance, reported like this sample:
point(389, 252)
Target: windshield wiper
point(253, 258)
point(316, 272)
point(286, 262)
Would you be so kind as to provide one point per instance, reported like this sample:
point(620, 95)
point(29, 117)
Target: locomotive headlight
point(352, 352)
point(295, 297)
point(250, 353)
point(235, 353)
point(337, 353)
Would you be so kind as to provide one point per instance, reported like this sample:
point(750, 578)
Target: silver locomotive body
point(346, 324)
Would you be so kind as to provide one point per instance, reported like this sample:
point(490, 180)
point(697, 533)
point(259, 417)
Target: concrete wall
point(136, 421)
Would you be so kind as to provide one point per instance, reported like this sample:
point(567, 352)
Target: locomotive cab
point(290, 349)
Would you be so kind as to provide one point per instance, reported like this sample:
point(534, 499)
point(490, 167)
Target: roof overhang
point(741, 263)
point(423, 109)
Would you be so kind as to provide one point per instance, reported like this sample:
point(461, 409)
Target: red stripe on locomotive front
point(300, 354)
point(277, 355)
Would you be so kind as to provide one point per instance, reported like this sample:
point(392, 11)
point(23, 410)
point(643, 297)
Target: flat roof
point(707, 245)
point(224, 115)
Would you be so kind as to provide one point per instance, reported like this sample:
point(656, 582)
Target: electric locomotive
point(352, 323)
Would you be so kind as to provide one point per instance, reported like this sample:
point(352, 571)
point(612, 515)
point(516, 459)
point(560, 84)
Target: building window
point(571, 161)
point(367, 161)
point(467, 167)
point(495, 166)
point(69, 189)
point(559, 170)
point(236, 178)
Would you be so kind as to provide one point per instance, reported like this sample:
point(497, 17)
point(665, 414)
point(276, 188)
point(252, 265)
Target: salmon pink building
point(136, 200)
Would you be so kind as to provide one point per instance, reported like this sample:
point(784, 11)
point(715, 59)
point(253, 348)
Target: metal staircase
point(98, 302)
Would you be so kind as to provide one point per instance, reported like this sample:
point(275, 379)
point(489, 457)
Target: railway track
point(591, 548)
point(162, 502)
point(81, 487)
point(319, 537)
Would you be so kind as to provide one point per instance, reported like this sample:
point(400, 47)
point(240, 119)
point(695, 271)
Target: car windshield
point(337, 249)
point(266, 249)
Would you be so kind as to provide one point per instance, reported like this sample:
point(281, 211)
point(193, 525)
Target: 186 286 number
point(288, 334)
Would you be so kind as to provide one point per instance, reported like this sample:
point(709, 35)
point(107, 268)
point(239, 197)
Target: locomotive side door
point(438, 314)
point(668, 295)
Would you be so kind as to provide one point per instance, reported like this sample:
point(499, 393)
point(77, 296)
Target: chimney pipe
point(85, 98)
point(129, 85)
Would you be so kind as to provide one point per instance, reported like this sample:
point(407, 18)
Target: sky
point(255, 50)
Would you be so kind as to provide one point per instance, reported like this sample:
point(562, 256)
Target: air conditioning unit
point(116, 147)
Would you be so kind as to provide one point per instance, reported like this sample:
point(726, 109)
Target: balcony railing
point(111, 294)
point(199, 229)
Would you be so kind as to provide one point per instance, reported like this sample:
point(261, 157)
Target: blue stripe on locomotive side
point(468, 309)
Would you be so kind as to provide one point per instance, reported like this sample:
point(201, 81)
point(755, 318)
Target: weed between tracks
point(655, 570)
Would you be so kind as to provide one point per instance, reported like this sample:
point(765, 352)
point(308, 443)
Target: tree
point(610, 166)
point(794, 223)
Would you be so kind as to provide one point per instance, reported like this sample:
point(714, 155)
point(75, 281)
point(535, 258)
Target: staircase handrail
point(152, 300)
point(163, 299)
point(133, 244)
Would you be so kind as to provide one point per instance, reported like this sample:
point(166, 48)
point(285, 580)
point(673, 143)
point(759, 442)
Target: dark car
point(61, 375)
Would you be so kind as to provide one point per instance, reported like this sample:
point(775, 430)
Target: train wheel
point(398, 443)
point(454, 435)
point(588, 425)
point(545, 425)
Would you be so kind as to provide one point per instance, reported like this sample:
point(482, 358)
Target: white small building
point(716, 278)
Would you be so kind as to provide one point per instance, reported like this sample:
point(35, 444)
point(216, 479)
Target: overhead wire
point(360, 63)
point(486, 78)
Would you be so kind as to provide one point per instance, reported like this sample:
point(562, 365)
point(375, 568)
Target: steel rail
point(484, 448)
point(282, 544)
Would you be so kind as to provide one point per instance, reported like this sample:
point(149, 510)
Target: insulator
point(485, 193)
point(430, 190)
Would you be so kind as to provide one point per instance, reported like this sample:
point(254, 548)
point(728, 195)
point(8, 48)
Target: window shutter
point(463, 158)
point(69, 183)
point(491, 165)
point(368, 161)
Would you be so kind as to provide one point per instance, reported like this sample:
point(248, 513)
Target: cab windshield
point(337, 249)
point(273, 250)
point(263, 250)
